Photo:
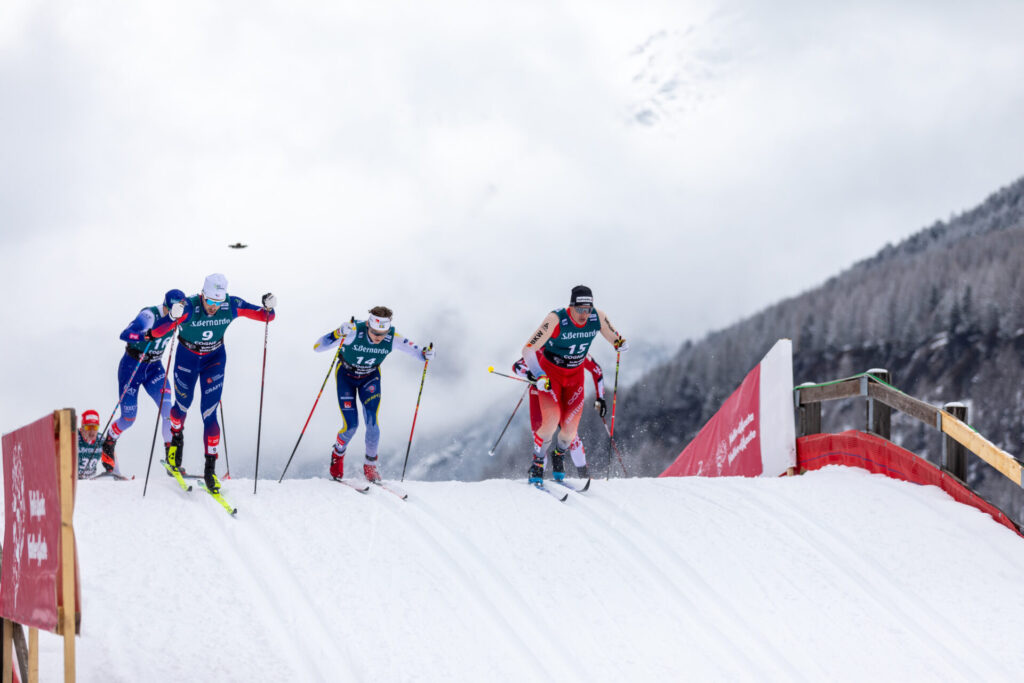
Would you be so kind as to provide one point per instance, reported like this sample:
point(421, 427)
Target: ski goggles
point(378, 324)
point(212, 302)
point(583, 309)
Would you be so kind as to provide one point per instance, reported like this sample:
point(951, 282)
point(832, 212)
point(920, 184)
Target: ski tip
point(189, 488)
point(586, 486)
point(563, 498)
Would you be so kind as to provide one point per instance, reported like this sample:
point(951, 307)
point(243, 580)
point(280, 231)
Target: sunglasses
point(212, 302)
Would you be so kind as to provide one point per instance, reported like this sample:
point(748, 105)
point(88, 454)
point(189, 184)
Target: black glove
point(530, 377)
point(601, 406)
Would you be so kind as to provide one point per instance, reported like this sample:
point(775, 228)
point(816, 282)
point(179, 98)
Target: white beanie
point(215, 287)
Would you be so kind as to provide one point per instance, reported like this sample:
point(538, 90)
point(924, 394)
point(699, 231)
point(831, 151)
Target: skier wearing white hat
point(201, 357)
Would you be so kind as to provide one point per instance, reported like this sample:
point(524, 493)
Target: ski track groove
point(525, 621)
point(295, 598)
point(649, 547)
point(809, 532)
point(244, 555)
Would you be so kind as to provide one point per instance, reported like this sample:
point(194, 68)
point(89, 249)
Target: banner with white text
point(753, 433)
point(31, 561)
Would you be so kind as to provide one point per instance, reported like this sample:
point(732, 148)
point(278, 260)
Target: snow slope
point(836, 575)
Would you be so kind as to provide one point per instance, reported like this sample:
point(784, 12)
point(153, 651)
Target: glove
point(346, 328)
point(428, 353)
point(177, 310)
point(601, 406)
point(269, 301)
point(621, 345)
point(530, 377)
point(543, 383)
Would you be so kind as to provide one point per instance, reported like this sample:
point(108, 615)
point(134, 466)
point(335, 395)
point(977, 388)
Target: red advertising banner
point(730, 443)
point(31, 560)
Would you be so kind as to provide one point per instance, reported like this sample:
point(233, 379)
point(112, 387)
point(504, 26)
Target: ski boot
point(337, 465)
point(209, 476)
point(371, 473)
point(537, 471)
point(174, 450)
point(582, 472)
point(107, 459)
point(558, 464)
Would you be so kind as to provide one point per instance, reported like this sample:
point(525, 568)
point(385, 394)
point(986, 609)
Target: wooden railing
point(883, 398)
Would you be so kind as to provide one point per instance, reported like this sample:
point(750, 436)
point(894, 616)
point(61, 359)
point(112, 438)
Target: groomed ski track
point(835, 575)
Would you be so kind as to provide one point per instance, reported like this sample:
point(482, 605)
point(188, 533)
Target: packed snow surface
point(836, 575)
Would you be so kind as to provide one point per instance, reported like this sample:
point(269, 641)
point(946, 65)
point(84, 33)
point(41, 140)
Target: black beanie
point(581, 296)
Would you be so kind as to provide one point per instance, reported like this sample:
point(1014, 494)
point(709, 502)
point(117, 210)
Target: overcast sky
point(465, 163)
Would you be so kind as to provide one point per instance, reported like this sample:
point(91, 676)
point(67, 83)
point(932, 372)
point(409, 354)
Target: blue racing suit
point(141, 366)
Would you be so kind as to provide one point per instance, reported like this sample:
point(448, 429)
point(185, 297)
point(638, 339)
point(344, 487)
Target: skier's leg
point(349, 422)
point(570, 394)
point(186, 373)
point(211, 379)
point(129, 405)
point(155, 383)
point(369, 395)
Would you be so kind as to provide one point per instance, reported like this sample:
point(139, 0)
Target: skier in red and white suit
point(554, 356)
point(576, 452)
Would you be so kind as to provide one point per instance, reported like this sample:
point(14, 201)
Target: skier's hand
point(177, 310)
point(346, 328)
point(530, 377)
point(601, 406)
point(543, 383)
point(428, 353)
point(621, 345)
point(269, 301)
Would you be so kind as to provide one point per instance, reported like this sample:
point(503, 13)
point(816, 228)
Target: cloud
point(465, 164)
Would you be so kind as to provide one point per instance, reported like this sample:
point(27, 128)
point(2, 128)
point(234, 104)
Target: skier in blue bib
point(364, 346)
point(145, 340)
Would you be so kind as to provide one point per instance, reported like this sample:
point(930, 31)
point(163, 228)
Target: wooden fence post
point(954, 455)
point(879, 415)
point(809, 414)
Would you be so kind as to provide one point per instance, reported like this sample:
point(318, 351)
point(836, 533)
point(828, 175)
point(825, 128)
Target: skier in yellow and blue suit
point(364, 346)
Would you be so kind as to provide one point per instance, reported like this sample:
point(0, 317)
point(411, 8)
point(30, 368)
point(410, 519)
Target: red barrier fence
point(875, 454)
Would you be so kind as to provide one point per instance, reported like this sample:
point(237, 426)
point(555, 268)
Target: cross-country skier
point(364, 346)
point(201, 358)
point(555, 355)
point(141, 366)
point(88, 446)
point(579, 456)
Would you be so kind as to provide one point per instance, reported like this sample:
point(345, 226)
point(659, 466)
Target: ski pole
point(617, 454)
point(615, 391)
point(224, 440)
point(159, 416)
point(327, 377)
point(127, 385)
point(259, 425)
point(611, 432)
point(422, 380)
point(491, 452)
point(490, 369)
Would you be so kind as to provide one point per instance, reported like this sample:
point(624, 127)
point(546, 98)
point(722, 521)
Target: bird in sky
point(238, 245)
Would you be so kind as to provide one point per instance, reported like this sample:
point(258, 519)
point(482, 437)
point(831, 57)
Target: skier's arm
point(346, 333)
point(596, 374)
point(415, 350)
point(137, 329)
point(537, 341)
point(610, 333)
point(244, 309)
point(519, 368)
point(168, 322)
